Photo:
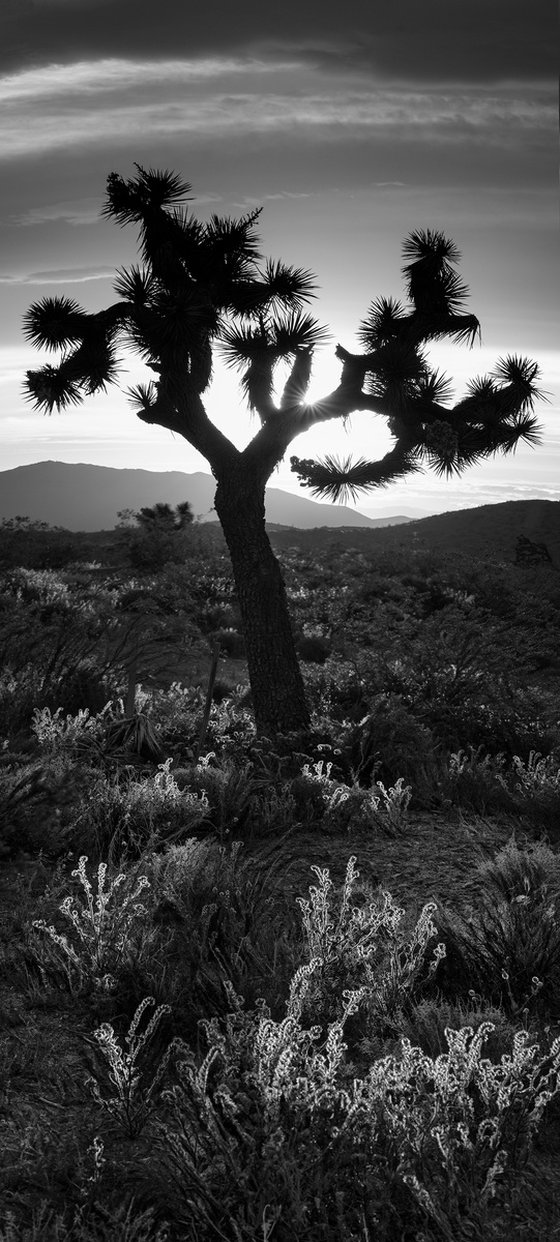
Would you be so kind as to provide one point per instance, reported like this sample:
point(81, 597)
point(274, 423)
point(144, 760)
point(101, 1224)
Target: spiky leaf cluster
point(342, 480)
point(201, 285)
point(494, 416)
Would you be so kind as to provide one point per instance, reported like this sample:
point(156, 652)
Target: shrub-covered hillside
point(290, 987)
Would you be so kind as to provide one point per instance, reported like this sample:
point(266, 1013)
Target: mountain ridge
point(79, 496)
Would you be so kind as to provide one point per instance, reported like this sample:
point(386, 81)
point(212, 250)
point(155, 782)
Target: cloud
point(76, 212)
point(60, 276)
point(64, 107)
point(94, 77)
point(477, 41)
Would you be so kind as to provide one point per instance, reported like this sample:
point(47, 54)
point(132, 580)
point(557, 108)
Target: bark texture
point(274, 673)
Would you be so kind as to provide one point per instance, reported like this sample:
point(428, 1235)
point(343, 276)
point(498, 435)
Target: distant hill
point(83, 497)
point(489, 531)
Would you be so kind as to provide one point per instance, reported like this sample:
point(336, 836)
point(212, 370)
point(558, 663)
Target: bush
point(313, 649)
point(390, 743)
point(36, 801)
point(274, 1114)
point(127, 814)
point(508, 949)
point(231, 642)
point(101, 927)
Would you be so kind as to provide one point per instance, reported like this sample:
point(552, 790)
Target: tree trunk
point(274, 673)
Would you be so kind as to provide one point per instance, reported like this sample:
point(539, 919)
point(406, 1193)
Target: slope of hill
point(489, 531)
point(88, 498)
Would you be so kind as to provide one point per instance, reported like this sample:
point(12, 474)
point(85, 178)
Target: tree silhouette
point(204, 287)
point(164, 518)
point(161, 534)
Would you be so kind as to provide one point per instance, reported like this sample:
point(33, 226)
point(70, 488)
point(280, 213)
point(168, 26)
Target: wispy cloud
point(77, 211)
point(97, 77)
point(59, 276)
point(89, 104)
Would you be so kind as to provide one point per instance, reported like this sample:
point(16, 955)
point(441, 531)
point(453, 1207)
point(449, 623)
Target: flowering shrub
point(134, 1102)
point(57, 735)
point(175, 710)
point(178, 867)
point(451, 1120)
point(101, 926)
point(43, 586)
point(366, 943)
point(131, 813)
point(473, 779)
point(272, 1117)
point(229, 788)
point(487, 781)
point(177, 713)
point(538, 778)
point(347, 807)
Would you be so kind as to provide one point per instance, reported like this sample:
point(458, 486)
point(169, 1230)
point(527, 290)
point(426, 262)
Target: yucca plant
point(134, 735)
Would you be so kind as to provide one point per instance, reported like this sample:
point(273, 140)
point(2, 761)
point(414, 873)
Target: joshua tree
point(204, 287)
point(162, 517)
point(161, 534)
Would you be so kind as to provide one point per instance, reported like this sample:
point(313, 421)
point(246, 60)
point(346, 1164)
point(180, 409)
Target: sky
point(351, 125)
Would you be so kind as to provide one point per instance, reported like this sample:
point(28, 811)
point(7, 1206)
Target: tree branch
point(179, 408)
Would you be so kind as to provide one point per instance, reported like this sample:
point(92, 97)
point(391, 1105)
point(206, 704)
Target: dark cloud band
point(432, 40)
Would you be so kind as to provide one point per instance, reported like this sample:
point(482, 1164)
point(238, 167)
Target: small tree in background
point(203, 286)
point(160, 534)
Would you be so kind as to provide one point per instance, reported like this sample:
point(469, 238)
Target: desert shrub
point(229, 789)
point(508, 948)
point(485, 782)
point(272, 1116)
point(135, 1101)
point(231, 642)
point(390, 743)
point(272, 813)
point(51, 641)
point(515, 872)
point(177, 715)
point(335, 690)
point(149, 553)
point(313, 649)
point(457, 676)
point(127, 813)
point(58, 735)
point(175, 712)
point(215, 915)
point(34, 545)
point(535, 787)
point(367, 945)
point(494, 716)
point(231, 726)
point(92, 1220)
point(425, 1023)
point(100, 927)
point(339, 807)
point(37, 801)
point(474, 781)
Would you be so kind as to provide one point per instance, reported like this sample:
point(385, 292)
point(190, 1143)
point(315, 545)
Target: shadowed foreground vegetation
point(305, 987)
